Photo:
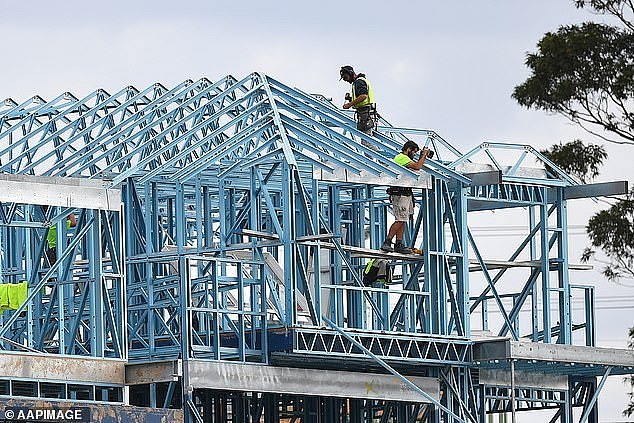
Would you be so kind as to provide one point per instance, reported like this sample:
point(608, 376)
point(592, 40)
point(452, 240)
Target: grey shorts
point(403, 207)
point(365, 119)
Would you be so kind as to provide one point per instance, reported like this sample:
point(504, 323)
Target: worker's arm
point(73, 220)
point(418, 165)
point(356, 101)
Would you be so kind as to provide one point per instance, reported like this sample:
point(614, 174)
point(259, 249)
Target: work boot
point(401, 249)
point(387, 246)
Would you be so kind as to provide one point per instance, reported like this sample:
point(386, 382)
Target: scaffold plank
point(474, 265)
point(368, 252)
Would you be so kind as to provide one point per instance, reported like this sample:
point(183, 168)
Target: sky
point(450, 66)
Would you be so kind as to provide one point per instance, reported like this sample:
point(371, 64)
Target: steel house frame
point(249, 211)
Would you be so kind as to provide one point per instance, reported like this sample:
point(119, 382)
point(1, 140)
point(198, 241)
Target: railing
point(489, 319)
point(223, 309)
point(75, 299)
point(226, 308)
point(370, 309)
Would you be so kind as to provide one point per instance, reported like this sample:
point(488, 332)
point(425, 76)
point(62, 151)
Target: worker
point(378, 274)
point(362, 100)
point(51, 252)
point(402, 198)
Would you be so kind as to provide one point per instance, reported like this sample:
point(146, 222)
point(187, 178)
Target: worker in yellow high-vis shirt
point(402, 197)
point(51, 252)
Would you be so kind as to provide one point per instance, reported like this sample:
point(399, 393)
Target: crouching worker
point(378, 274)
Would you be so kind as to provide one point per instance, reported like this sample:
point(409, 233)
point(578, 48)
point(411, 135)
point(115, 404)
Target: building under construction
point(214, 273)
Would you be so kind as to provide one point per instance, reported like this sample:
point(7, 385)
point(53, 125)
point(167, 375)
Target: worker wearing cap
point(362, 100)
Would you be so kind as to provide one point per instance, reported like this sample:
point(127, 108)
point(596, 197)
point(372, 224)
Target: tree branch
point(579, 119)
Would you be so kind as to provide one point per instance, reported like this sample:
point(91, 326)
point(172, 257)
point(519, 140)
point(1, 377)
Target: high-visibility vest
point(379, 273)
point(402, 159)
point(369, 99)
point(51, 237)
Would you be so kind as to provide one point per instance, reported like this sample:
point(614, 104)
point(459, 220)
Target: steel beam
point(505, 349)
point(251, 377)
point(602, 189)
point(63, 368)
point(64, 192)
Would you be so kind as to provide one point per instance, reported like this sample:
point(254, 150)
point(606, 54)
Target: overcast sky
point(449, 66)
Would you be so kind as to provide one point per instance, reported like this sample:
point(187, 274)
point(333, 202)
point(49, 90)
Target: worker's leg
point(399, 247)
point(400, 232)
point(51, 255)
point(401, 205)
point(404, 206)
point(387, 243)
point(365, 123)
point(397, 229)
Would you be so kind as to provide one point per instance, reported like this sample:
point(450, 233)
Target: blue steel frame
point(76, 305)
point(231, 238)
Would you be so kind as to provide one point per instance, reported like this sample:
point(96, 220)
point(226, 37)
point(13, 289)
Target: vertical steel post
point(184, 303)
point(533, 257)
point(565, 318)
point(545, 265)
point(29, 259)
point(430, 262)
point(337, 268)
point(62, 293)
point(288, 241)
point(513, 405)
point(438, 273)
point(589, 311)
point(462, 261)
point(96, 283)
point(316, 250)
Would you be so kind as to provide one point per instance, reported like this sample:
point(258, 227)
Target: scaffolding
point(216, 264)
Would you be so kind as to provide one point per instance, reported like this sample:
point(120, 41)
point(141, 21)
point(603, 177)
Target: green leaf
point(585, 73)
point(577, 159)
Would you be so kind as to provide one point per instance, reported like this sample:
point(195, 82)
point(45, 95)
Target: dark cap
point(347, 69)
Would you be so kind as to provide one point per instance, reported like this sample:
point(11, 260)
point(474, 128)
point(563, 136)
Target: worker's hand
point(347, 105)
point(424, 154)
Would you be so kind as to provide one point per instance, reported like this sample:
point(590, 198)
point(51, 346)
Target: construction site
point(213, 269)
